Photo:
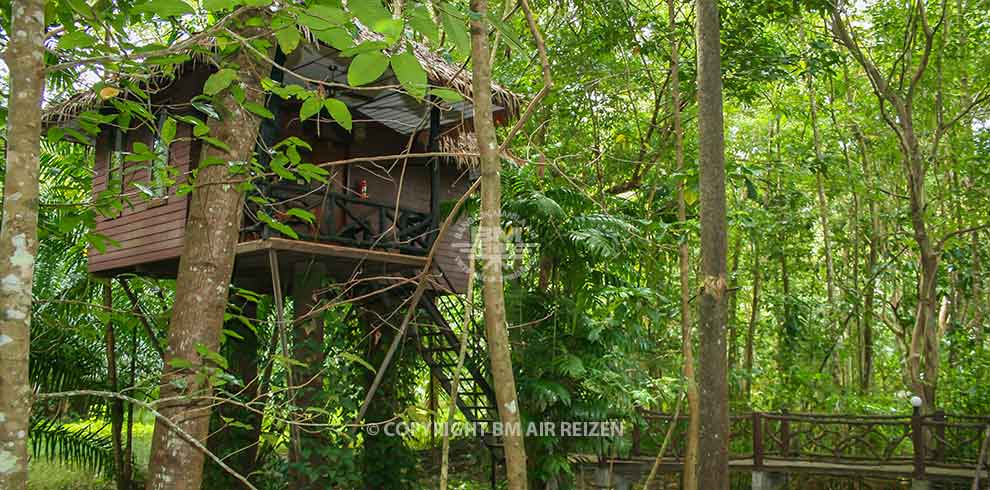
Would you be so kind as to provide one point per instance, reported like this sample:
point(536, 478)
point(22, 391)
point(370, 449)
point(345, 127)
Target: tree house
point(373, 217)
point(378, 216)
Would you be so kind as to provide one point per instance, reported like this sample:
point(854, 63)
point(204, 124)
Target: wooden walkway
point(636, 468)
point(935, 447)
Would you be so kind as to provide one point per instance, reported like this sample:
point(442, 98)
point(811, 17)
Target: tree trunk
point(684, 264)
point(754, 319)
point(820, 186)
point(237, 443)
point(116, 405)
point(866, 331)
point(19, 234)
point(713, 464)
point(202, 285)
point(923, 355)
point(491, 246)
point(307, 348)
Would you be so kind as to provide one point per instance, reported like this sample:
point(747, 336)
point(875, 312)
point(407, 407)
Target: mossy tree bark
point(203, 281)
point(19, 234)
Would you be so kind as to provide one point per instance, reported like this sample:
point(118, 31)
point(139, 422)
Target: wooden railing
point(341, 219)
point(917, 442)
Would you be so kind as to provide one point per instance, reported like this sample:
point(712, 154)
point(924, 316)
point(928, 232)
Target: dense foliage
point(814, 168)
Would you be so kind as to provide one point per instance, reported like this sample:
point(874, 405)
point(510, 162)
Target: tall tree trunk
point(820, 185)
point(201, 288)
point(19, 234)
point(754, 320)
point(866, 331)
point(684, 263)
point(713, 464)
point(491, 247)
point(923, 355)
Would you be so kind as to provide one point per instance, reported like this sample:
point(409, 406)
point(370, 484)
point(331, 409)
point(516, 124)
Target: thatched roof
point(440, 73)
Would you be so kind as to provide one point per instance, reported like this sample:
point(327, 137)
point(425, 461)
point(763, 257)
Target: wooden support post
point(918, 439)
point(116, 405)
point(283, 337)
point(432, 146)
point(757, 441)
point(636, 437)
point(785, 434)
point(136, 308)
point(940, 436)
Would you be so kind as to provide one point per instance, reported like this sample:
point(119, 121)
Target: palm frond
point(87, 446)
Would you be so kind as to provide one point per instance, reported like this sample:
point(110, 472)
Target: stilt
point(307, 348)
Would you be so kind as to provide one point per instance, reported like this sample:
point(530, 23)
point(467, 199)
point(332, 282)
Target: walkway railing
point(917, 443)
point(340, 219)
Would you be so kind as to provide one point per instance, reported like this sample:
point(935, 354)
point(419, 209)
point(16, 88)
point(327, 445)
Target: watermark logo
point(588, 429)
point(515, 252)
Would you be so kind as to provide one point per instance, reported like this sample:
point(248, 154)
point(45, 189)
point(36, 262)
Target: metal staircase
point(439, 345)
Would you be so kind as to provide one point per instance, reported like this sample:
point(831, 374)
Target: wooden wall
point(148, 231)
point(383, 185)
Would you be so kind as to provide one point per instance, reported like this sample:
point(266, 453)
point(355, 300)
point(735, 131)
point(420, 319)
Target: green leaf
point(368, 12)
point(456, 30)
point(82, 8)
point(168, 131)
point(278, 166)
point(288, 37)
point(366, 68)
point(55, 133)
point(364, 47)
point(217, 5)
point(258, 110)
point(76, 39)
point(507, 33)
point(339, 112)
point(180, 363)
point(219, 81)
point(411, 75)
point(164, 8)
point(205, 108)
point(279, 227)
point(390, 28)
point(422, 22)
point(302, 214)
point(323, 17)
point(215, 142)
point(357, 359)
point(336, 37)
point(448, 95)
point(310, 107)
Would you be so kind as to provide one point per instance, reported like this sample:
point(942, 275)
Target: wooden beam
point(330, 250)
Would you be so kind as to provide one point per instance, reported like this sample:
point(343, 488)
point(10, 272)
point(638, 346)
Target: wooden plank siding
point(147, 230)
point(150, 233)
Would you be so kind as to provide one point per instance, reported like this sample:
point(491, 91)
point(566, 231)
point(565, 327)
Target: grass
point(468, 469)
point(46, 474)
point(52, 475)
